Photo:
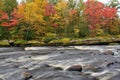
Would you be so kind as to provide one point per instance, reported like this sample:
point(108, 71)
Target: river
point(41, 63)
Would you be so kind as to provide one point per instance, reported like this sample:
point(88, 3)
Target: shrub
point(28, 35)
point(65, 40)
point(20, 42)
point(84, 32)
point(48, 39)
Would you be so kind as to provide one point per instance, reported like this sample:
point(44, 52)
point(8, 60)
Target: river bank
point(109, 40)
point(51, 63)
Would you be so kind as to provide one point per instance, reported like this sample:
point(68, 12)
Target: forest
point(58, 21)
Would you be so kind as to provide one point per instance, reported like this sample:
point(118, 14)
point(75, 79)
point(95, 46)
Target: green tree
point(1, 5)
point(77, 25)
point(9, 5)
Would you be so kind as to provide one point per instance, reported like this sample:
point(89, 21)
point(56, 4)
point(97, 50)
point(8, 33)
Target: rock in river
point(75, 68)
point(108, 52)
point(26, 75)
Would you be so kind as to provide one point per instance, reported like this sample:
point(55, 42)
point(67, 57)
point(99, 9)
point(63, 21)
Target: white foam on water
point(43, 57)
point(86, 47)
point(48, 48)
point(100, 48)
point(37, 48)
point(40, 58)
point(1, 76)
point(100, 73)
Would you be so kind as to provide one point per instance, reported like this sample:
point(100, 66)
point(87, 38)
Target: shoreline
point(74, 42)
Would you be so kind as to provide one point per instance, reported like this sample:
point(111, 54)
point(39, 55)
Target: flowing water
point(96, 66)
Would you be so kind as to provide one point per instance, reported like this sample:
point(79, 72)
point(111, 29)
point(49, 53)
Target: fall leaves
point(61, 17)
point(96, 12)
point(9, 21)
point(49, 10)
point(99, 16)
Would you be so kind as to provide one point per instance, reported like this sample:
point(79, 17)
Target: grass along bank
point(107, 40)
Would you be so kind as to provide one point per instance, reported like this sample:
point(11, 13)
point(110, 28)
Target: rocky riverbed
point(60, 63)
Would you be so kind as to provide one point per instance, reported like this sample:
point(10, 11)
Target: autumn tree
point(33, 12)
point(9, 24)
point(98, 15)
point(76, 19)
point(60, 18)
point(71, 17)
point(67, 19)
point(82, 20)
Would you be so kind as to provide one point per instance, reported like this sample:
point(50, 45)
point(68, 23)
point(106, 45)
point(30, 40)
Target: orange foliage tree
point(9, 23)
point(98, 14)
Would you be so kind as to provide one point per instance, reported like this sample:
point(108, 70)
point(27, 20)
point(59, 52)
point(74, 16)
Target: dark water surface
point(34, 61)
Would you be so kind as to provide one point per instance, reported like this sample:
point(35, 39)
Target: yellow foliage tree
point(61, 16)
point(33, 13)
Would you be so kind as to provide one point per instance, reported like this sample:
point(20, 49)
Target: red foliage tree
point(109, 12)
point(97, 13)
point(12, 22)
point(49, 10)
point(7, 21)
point(3, 16)
point(16, 15)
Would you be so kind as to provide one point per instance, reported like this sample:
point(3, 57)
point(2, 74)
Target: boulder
point(58, 68)
point(115, 63)
point(75, 68)
point(92, 68)
point(108, 52)
point(62, 52)
point(109, 64)
point(26, 75)
point(45, 65)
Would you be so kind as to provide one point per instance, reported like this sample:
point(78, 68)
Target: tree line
point(56, 19)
